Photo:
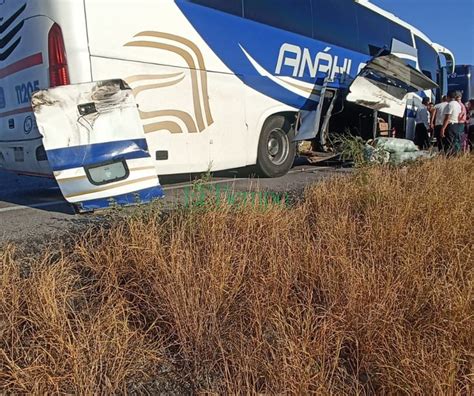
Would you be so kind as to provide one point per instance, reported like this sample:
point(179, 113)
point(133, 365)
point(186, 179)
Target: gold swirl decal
point(138, 90)
point(171, 126)
point(182, 115)
point(194, 59)
point(141, 77)
point(202, 66)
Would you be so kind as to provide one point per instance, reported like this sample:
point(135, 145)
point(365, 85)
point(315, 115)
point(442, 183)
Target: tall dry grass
point(365, 287)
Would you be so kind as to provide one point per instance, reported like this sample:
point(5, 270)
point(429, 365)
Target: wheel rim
point(278, 147)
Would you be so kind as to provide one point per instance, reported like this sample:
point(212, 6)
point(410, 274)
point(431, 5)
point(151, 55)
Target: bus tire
point(276, 149)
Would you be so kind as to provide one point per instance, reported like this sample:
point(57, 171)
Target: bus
point(207, 85)
point(462, 80)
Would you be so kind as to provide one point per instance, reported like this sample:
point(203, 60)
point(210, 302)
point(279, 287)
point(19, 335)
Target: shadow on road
point(44, 194)
point(35, 192)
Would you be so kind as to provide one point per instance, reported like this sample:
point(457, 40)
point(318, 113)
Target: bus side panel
point(163, 94)
point(192, 106)
point(194, 133)
point(26, 69)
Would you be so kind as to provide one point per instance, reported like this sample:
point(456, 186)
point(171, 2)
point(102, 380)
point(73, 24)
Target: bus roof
point(394, 18)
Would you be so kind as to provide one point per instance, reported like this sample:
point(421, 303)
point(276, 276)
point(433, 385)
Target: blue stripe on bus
point(81, 156)
point(135, 198)
point(226, 34)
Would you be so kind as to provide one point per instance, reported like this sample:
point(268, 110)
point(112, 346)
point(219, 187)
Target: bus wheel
point(276, 149)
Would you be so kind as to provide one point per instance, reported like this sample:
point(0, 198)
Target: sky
point(446, 22)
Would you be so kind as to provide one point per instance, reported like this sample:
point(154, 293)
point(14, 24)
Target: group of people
point(451, 122)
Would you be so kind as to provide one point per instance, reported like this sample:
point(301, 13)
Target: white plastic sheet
point(393, 145)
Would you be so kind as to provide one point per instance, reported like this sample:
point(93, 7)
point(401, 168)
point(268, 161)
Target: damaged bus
point(107, 95)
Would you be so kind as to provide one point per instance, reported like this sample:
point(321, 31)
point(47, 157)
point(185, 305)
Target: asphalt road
point(33, 209)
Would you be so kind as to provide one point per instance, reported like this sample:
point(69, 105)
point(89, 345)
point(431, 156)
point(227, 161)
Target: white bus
point(218, 83)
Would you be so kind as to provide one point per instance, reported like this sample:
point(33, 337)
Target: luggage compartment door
point(96, 145)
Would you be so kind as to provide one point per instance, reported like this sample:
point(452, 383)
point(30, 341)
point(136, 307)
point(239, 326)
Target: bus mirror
point(444, 80)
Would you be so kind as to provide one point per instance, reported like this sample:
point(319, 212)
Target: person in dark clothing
point(423, 117)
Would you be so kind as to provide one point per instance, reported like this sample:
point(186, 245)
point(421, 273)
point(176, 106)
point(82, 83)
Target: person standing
point(438, 117)
point(462, 124)
point(422, 125)
point(470, 128)
point(449, 131)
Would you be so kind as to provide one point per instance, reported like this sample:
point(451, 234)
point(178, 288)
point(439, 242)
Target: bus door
point(96, 145)
point(386, 83)
point(315, 123)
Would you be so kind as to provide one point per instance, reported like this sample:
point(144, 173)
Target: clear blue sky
point(447, 22)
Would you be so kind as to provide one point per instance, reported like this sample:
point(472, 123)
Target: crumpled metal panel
point(385, 83)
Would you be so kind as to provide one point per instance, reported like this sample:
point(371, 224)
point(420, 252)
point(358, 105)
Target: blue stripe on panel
point(81, 156)
point(136, 198)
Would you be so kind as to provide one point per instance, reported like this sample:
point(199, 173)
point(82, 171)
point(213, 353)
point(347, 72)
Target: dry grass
point(366, 287)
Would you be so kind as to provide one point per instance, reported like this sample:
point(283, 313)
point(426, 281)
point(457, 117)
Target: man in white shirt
point(423, 116)
point(449, 131)
point(438, 120)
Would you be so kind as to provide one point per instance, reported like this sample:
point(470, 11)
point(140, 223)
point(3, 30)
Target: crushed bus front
point(385, 83)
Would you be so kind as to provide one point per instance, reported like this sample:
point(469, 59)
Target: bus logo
point(301, 61)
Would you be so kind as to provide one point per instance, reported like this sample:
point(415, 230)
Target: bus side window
point(400, 33)
point(293, 16)
point(374, 32)
point(234, 7)
point(335, 22)
point(427, 57)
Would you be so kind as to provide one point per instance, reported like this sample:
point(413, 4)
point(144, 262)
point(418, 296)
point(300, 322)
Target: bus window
point(428, 58)
point(374, 31)
point(293, 16)
point(335, 22)
point(228, 6)
point(400, 33)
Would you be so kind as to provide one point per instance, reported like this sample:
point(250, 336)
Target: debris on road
point(394, 151)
